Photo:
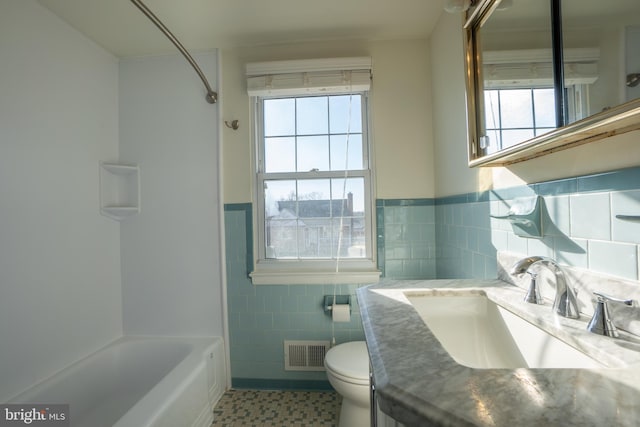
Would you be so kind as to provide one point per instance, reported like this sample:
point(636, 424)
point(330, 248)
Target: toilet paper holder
point(340, 299)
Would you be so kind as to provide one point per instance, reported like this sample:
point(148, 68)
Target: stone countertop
point(419, 383)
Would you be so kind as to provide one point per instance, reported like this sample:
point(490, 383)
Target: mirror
point(547, 75)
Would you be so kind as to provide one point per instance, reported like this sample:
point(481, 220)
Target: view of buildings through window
point(315, 177)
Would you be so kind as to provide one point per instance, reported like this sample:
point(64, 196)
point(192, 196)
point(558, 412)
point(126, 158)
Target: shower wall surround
point(448, 237)
point(59, 258)
point(171, 281)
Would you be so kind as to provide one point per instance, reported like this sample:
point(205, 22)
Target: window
point(519, 99)
point(314, 177)
point(516, 115)
point(314, 213)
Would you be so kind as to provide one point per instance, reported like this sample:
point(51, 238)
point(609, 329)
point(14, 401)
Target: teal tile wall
point(406, 238)
point(579, 221)
point(262, 317)
point(465, 247)
point(449, 237)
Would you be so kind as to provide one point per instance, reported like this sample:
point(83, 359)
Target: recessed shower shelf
point(119, 190)
point(120, 212)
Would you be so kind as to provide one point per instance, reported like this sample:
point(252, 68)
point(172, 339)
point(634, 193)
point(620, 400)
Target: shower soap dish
point(525, 216)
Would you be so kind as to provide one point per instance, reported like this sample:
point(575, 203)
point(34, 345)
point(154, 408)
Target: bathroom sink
point(479, 333)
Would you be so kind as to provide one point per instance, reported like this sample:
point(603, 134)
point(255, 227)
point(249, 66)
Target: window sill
point(274, 273)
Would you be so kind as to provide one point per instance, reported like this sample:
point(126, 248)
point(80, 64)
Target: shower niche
point(119, 190)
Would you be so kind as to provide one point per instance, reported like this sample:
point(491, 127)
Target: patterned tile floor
point(262, 408)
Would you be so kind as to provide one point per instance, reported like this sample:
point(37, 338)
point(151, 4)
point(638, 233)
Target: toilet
point(348, 372)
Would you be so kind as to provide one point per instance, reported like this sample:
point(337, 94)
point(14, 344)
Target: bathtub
point(138, 382)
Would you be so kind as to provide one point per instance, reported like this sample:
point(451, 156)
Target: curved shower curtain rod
point(211, 96)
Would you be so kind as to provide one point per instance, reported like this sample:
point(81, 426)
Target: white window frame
point(313, 271)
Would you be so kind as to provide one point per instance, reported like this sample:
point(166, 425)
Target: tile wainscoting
point(262, 317)
point(448, 237)
point(579, 223)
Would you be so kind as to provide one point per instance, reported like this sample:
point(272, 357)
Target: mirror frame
point(614, 121)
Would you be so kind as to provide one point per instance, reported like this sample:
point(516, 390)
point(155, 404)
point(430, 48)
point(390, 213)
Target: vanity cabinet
point(379, 418)
point(384, 420)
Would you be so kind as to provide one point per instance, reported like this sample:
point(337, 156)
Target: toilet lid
point(350, 359)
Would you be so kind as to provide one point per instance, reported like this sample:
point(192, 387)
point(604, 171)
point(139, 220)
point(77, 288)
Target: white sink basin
point(478, 333)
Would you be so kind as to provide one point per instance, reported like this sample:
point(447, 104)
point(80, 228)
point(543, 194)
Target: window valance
point(309, 76)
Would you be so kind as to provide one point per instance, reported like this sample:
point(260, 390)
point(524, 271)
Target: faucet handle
point(600, 297)
point(601, 322)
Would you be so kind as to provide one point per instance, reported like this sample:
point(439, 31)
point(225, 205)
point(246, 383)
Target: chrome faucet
point(565, 302)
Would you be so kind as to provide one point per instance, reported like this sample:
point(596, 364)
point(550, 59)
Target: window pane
point(542, 131)
point(280, 154)
point(279, 199)
point(348, 225)
point(545, 106)
point(516, 109)
point(281, 240)
point(493, 141)
point(313, 153)
point(513, 137)
point(279, 117)
point(351, 192)
point(345, 114)
point(349, 238)
point(281, 222)
point(340, 151)
point(312, 116)
point(314, 238)
point(492, 109)
point(322, 219)
point(314, 198)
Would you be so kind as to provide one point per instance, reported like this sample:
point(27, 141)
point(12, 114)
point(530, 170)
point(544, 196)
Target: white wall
point(171, 257)
point(401, 113)
point(449, 118)
point(60, 293)
point(452, 176)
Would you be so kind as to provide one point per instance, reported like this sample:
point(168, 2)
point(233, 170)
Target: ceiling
point(121, 28)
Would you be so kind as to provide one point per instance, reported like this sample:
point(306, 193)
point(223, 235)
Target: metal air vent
point(305, 355)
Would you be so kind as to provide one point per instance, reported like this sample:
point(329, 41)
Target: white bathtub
point(138, 382)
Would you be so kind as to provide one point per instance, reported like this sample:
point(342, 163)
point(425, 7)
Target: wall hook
point(233, 125)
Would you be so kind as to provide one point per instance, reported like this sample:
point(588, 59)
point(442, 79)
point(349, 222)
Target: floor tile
point(262, 408)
